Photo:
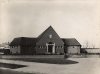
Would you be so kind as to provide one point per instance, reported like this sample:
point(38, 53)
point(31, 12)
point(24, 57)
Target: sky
point(70, 19)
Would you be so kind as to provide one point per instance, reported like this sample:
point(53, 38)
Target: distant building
point(48, 42)
point(90, 50)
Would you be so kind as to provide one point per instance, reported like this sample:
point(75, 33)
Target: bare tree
point(93, 46)
point(86, 44)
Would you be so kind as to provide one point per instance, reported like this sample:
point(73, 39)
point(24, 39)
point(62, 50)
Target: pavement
point(85, 66)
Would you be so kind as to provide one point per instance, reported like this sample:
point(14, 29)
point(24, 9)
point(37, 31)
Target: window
point(50, 36)
point(16, 46)
point(57, 46)
point(43, 46)
point(40, 46)
point(61, 46)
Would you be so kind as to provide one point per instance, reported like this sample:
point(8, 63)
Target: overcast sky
point(78, 19)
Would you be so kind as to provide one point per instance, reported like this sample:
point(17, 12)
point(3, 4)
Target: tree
point(93, 46)
point(86, 44)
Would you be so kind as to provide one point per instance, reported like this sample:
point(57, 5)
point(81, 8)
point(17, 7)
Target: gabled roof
point(48, 30)
point(25, 41)
point(70, 41)
point(44, 32)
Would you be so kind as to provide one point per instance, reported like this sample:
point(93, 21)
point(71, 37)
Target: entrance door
point(50, 48)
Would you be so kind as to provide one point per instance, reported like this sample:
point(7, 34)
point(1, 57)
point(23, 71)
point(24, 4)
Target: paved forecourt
point(85, 66)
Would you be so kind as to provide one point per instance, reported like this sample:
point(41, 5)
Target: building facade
point(48, 42)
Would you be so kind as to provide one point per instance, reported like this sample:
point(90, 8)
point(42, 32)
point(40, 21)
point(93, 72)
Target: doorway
point(50, 47)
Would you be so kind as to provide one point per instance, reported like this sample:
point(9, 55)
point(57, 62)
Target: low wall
point(85, 56)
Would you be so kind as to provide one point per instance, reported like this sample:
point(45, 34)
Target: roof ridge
point(68, 38)
point(71, 41)
point(25, 37)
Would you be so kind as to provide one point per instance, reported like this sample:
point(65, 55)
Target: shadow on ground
point(47, 60)
point(11, 66)
point(12, 72)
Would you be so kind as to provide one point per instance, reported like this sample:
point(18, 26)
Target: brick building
point(48, 42)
